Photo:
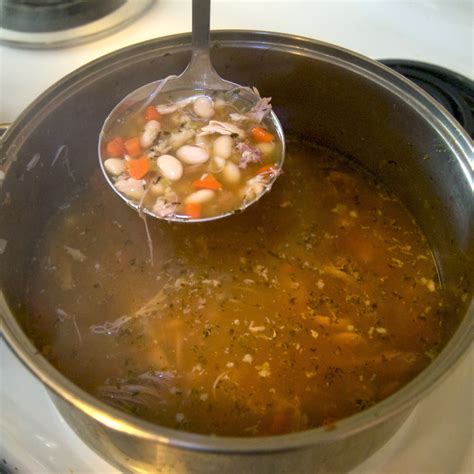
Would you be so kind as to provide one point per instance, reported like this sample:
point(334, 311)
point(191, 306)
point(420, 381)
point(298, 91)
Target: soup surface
point(313, 304)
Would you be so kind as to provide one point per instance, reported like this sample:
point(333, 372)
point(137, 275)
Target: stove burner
point(52, 15)
point(46, 23)
point(453, 91)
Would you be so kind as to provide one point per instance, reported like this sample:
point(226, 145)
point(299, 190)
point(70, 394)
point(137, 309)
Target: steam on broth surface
point(312, 305)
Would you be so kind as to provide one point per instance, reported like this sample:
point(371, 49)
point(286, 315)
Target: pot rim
point(404, 399)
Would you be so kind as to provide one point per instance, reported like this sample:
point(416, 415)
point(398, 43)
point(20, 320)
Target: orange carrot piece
point(207, 182)
point(262, 135)
point(265, 168)
point(288, 268)
point(133, 147)
point(193, 210)
point(151, 113)
point(281, 423)
point(115, 147)
point(138, 168)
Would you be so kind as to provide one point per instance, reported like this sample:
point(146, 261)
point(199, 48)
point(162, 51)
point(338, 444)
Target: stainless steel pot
point(329, 95)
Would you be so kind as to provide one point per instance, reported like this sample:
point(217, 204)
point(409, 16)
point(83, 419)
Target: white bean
point(223, 146)
point(170, 167)
point(132, 188)
point(150, 132)
point(231, 173)
point(203, 142)
point(219, 103)
point(200, 197)
point(192, 155)
point(204, 107)
point(217, 164)
point(266, 148)
point(180, 138)
point(115, 166)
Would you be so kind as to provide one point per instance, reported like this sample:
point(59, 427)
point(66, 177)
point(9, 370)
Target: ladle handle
point(200, 72)
point(201, 24)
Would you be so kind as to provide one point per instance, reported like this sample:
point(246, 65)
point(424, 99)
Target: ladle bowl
point(199, 78)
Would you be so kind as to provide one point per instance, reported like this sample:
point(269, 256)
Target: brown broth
point(316, 303)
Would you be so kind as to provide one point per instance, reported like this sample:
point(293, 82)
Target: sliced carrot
point(193, 210)
point(265, 168)
point(262, 135)
point(151, 113)
point(207, 182)
point(133, 147)
point(138, 168)
point(281, 423)
point(115, 147)
point(286, 267)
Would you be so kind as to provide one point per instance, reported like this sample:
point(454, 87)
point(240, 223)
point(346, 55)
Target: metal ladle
point(199, 76)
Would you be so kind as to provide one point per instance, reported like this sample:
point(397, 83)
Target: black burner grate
point(453, 91)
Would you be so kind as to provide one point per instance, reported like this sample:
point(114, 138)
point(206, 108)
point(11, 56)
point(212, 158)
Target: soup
point(194, 157)
point(312, 305)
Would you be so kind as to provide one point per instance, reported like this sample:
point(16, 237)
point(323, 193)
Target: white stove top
point(437, 438)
